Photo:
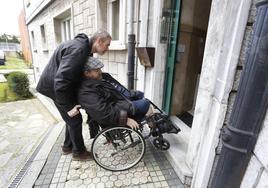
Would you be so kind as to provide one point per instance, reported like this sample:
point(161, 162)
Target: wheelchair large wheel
point(118, 148)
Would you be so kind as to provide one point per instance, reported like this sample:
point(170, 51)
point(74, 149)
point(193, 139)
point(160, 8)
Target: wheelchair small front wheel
point(118, 148)
point(161, 143)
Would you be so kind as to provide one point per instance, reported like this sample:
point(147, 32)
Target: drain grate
point(16, 181)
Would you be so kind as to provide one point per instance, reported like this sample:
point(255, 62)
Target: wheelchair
point(121, 148)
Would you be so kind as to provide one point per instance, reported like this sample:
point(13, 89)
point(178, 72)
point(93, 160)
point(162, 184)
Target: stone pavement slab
point(23, 124)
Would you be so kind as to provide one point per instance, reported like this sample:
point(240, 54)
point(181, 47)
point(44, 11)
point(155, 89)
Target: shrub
point(19, 83)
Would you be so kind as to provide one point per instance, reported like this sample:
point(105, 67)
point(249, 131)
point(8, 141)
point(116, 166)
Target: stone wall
point(41, 57)
point(83, 15)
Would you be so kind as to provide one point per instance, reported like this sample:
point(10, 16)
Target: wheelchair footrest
point(173, 128)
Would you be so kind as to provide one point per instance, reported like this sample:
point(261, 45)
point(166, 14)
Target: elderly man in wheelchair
point(122, 115)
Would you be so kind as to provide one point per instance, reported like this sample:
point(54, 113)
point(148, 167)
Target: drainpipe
point(131, 46)
point(240, 136)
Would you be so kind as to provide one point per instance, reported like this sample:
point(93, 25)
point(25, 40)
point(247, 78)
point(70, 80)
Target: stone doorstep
point(176, 154)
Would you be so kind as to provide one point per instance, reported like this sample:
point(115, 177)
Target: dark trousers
point(93, 126)
point(73, 131)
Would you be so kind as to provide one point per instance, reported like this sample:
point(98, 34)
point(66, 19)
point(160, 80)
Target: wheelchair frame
point(121, 148)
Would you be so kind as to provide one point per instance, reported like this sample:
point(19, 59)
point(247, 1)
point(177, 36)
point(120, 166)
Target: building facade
point(199, 53)
point(25, 42)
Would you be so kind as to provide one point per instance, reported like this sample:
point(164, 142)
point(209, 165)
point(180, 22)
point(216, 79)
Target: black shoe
point(66, 150)
point(82, 156)
point(171, 128)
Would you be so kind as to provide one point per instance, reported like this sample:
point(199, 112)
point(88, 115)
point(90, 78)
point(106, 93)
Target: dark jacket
point(103, 102)
point(63, 72)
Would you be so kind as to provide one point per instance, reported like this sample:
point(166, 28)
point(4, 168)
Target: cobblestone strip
point(48, 172)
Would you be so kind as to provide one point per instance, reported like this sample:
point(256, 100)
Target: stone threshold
point(176, 154)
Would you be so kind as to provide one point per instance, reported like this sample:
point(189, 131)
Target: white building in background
point(199, 53)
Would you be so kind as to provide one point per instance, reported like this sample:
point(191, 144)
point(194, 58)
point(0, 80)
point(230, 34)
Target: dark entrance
point(184, 57)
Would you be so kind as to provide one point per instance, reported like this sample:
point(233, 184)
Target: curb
point(47, 102)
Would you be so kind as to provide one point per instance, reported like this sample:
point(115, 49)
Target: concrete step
point(176, 154)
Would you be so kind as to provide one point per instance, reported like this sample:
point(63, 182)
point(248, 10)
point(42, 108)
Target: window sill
point(117, 46)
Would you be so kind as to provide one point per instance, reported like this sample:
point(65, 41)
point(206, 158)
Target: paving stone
point(118, 183)
point(100, 185)
point(87, 181)
point(137, 174)
point(161, 178)
point(4, 158)
point(96, 180)
point(3, 145)
point(109, 184)
point(150, 185)
point(113, 177)
point(83, 176)
point(145, 173)
point(155, 179)
point(143, 186)
point(164, 183)
point(82, 186)
point(135, 181)
point(104, 179)
point(53, 186)
point(158, 185)
point(130, 175)
point(127, 182)
point(143, 179)
point(74, 177)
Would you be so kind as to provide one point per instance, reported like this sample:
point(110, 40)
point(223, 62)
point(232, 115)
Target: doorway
point(181, 90)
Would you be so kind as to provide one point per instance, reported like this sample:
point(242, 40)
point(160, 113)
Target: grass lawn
point(6, 94)
point(14, 63)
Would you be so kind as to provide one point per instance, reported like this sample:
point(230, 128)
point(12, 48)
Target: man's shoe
point(83, 156)
point(66, 150)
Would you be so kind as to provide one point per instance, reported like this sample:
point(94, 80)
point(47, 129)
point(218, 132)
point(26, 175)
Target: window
point(111, 15)
point(43, 36)
point(63, 26)
point(114, 9)
point(33, 42)
point(66, 29)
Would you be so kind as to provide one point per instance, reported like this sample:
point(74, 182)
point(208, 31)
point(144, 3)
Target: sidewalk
point(60, 171)
point(24, 124)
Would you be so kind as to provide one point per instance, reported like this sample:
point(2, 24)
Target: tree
point(15, 39)
point(9, 38)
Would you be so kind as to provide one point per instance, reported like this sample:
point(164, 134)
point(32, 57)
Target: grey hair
point(102, 34)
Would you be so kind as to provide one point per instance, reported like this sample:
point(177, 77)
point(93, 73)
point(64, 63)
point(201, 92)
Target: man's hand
point(132, 123)
point(74, 111)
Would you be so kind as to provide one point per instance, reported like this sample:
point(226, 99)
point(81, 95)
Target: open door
point(174, 16)
point(185, 57)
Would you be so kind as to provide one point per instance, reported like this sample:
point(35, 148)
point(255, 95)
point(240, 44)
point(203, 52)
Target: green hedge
point(19, 83)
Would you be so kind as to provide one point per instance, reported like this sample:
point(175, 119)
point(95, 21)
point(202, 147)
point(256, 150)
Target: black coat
point(103, 102)
point(63, 72)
